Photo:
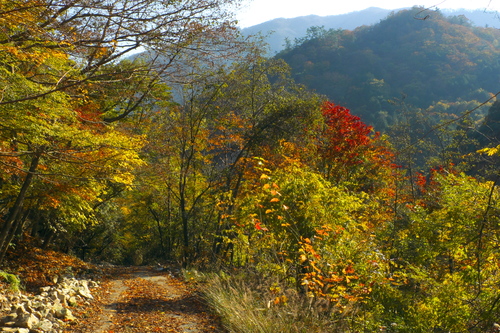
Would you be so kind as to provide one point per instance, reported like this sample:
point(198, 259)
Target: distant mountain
point(281, 29)
point(434, 63)
point(478, 18)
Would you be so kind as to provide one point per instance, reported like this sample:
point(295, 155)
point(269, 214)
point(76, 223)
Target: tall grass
point(246, 304)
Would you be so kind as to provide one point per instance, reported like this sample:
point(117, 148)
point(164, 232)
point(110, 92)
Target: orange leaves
point(324, 230)
point(11, 164)
point(348, 270)
point(37, 267)
point(336, 281)
point(280, 300)
point(90, 114)
point(272, 188)
point(308, 249)
point(52, 202)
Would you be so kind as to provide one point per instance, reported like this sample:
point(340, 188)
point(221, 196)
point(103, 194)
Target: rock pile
point(46, 312)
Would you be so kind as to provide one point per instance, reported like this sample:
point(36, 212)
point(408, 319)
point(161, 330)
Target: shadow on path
point(144, 300)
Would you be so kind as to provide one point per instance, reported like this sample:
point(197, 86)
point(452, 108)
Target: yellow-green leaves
point(490, 151)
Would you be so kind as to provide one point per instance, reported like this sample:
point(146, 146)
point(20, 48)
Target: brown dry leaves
point(153, 302)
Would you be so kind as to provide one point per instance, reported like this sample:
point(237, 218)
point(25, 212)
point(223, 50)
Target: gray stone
point(53, 294)
point(20, 309)
point(72, 301)
point(15, 330)
point(44, 325)
point(27, 321)
point(65, 314)
point(46, 312)
point(9, 318)
point(85, 292)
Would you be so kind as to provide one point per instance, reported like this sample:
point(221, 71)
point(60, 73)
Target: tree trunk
point(17, 208)
point(48, 238)
point(17, 229)
point(160, 231)
point(185, 232)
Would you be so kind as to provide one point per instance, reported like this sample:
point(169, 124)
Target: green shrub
point(12, 280)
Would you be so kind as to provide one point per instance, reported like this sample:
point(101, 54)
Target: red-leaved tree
point(348, 148)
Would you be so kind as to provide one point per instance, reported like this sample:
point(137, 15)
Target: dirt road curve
point(144, 300)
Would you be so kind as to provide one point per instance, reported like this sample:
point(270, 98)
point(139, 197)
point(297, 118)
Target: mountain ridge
point(278, 30)
point(435, 63)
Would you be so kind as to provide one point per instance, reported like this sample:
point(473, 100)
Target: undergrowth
point(12, 280)
point(248, 303)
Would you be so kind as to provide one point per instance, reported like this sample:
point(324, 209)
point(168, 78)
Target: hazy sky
point(258, 11)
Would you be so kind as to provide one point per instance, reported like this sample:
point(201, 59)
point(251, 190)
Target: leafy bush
point(12, 280)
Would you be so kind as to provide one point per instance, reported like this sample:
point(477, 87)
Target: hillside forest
point(347, 185)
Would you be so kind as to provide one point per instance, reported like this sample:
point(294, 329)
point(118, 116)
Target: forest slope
point(279, 30)
point(421, 59)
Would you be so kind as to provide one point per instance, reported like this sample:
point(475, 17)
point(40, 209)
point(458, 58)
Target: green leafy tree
point(444, 248)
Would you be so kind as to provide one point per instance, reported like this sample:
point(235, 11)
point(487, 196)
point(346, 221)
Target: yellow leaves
point(101, 52)
point(264, 176)
point(125, 210)
point(274, 200)
point(10, 49)
point(348, 278)
point(319, 283)
point(65, 43)
point(315, 267)
point(490, 151)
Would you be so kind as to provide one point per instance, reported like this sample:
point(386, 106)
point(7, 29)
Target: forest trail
point(140, 299)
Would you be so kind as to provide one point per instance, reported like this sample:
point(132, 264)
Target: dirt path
point(144, 300)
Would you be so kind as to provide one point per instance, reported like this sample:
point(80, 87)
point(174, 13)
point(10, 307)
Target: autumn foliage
point(245, 171)
point(345, 135)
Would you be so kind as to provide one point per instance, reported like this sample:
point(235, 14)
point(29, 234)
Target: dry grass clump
point(247, 302)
